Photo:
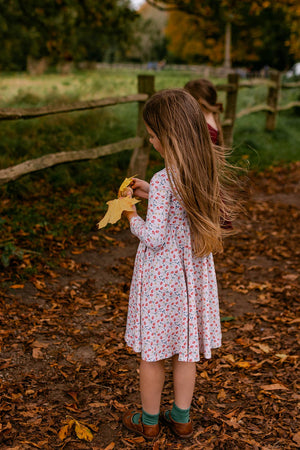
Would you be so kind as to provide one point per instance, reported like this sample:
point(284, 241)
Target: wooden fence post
point(140, 156)
point(230, 109)
point(272, 101)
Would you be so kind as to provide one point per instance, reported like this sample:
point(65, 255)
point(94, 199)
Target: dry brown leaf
point(37, 353)
point(264, 347)
point(221, 395)
point(273, 387)
point(110, 446)
point(296, 438)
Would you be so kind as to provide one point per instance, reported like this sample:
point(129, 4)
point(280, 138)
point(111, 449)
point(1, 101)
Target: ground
point(66, 375)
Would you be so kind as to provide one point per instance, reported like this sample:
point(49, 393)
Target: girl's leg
point(178, 419)
point(184, 375)
point(152, 377)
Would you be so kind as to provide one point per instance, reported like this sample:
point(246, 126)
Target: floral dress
point(173, 304)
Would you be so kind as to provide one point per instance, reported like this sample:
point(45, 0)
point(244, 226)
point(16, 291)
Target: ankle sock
point(178, 414)
point(147, 419)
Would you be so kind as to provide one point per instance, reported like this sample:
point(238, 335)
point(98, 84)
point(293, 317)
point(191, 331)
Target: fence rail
point(31, 113)
point(139, 143)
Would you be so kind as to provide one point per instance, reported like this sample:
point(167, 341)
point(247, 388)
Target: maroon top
point(214, 134)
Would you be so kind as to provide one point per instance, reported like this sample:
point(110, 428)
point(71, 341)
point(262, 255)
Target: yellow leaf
point(17, 286)
point(83, 432)
point(117, 206)
point(243, 364)
point(65, 430)
point(125, 184)
point(115, 209)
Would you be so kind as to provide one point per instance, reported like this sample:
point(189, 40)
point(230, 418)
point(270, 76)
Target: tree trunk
point(227, 54)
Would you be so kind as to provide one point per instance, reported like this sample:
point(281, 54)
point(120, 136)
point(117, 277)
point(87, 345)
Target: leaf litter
point(66, 375)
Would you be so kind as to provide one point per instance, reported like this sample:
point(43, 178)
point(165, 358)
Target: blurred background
point(252, 35)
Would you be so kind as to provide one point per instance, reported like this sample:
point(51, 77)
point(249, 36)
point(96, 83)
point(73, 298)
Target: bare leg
point(184, 374)
point(152, 377)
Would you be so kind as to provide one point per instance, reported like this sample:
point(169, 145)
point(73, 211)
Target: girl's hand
point(129, 214)
point(140, 188)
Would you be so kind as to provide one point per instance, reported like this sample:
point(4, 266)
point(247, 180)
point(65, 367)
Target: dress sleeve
point(153, 231)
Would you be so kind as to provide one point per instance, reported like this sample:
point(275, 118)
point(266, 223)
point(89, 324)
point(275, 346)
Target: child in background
point(206, 95)
point(173, 305)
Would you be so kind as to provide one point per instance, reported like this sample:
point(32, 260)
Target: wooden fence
point(139, 143)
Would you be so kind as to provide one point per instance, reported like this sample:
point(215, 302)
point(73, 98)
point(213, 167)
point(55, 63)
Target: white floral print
point(173, 304)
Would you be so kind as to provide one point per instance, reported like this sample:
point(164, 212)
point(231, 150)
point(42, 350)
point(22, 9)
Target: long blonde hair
point(205, 93)
point(195, 167)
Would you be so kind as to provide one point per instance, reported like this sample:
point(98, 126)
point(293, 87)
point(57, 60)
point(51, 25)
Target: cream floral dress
point(173, 304)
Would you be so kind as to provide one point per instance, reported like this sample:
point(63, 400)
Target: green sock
point(147, 419)
point(180, 415)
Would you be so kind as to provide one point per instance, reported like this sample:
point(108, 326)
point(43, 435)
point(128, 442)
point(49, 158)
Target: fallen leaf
point(40, 285)
point(264, 347)
point(137, 440)
point(243, 364)
point(37, 353)
point(273, 387)
point(65, 430)
point(83, 432)
point(296, 438)
point(110, 446)
point(221, 395)
point(290, 276)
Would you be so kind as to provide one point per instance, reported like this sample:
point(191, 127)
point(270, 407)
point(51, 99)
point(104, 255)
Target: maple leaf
point(115, 209)
point(118, 205)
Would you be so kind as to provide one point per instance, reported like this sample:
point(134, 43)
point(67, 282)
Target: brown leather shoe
point(181, 430)
point(149, 432)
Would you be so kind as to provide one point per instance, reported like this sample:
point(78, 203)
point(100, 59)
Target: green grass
point(43, 213)
point(265, 148)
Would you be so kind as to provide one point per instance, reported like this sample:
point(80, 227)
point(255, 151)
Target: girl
point(206, 95)
point(173, 306)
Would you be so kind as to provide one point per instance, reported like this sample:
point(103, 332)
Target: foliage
point(255, 25)
point(63, 30)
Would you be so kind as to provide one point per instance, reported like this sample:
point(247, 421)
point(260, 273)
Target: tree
point(149, 35)
point(63, 29)
point(215, 21)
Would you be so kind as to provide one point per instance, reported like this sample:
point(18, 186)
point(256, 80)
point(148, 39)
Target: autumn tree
point(207, 28)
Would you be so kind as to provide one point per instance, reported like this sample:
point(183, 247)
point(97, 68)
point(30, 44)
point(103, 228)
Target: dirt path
point(63, 355)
